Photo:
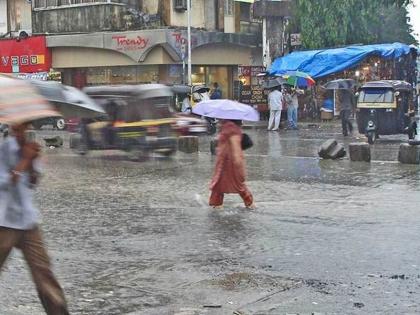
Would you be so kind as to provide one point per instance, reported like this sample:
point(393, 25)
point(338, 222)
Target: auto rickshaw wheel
point(371, 137)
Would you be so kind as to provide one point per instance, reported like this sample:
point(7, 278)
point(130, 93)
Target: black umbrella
point(71, 102)
point(272, 83)
point(340, 84)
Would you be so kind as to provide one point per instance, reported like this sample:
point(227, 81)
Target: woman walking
point(229, 174)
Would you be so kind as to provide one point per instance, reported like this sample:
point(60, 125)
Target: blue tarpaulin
point(320, 63)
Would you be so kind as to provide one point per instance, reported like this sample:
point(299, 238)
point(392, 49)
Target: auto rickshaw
point(386, 108)
point(138, 120)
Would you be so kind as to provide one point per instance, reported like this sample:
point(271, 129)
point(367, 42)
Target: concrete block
point(326, 147)
point(75, 140)
point(55, 141)
point(213, 147)
point(188, 144)
point(337, 152)
point(330, 149)
point(359, 152)
point(30, 136)
point(409, 154)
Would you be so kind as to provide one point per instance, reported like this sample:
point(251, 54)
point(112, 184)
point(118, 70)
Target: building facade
point(144, 41)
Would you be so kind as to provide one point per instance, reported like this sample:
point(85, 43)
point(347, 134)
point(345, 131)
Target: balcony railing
point(59, 3)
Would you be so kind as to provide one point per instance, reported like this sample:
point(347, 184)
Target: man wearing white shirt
point(19, 218)
point(275, 99)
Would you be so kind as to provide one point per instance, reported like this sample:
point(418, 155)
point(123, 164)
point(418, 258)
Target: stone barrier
point(30, 136)
point(409, 154)
point(75, 140)
point(55, 141)
point(330, 149)
point(213, 146)
point(188, 144)
point(359, 152)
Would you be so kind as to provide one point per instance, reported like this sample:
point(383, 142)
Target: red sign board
point(25, 55)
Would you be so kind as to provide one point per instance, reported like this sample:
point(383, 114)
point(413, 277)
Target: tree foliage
point(326, 23)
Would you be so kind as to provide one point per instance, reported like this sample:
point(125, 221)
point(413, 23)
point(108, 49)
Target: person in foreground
point(19, 218)
point(229, 173)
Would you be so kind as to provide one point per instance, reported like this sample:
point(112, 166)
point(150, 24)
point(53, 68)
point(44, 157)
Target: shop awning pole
point(189, 41)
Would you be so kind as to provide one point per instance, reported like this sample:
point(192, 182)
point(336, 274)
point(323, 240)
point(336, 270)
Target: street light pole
point(189, 41)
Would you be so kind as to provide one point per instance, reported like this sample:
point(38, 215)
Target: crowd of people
point(286, 98)
point(283, 98)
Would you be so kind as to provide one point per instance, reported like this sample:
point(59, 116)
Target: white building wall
point(151, 6)
point(3, 17)
point(197, 15)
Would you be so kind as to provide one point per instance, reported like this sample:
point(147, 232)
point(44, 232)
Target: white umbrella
point(226, 109)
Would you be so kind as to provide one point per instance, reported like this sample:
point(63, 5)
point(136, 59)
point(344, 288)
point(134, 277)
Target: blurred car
point(190, 125)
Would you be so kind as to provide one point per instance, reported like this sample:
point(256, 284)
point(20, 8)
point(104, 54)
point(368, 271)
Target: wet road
point(328, 237)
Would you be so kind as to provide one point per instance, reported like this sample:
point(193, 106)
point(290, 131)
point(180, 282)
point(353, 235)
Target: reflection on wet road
point(136, 238)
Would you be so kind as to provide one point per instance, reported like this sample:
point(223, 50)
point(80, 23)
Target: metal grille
point(58, 3)
point(180, 4)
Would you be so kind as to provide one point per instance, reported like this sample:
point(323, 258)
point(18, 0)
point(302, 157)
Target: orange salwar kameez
point(229, 173)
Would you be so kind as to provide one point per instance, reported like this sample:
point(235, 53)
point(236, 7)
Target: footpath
point(318, 124)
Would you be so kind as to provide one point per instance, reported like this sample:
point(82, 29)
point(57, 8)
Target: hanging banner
point(28, 55)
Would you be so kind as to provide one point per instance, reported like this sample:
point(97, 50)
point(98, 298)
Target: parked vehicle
point(138, 120)
point(386, 108)
point(190, 125)
point(196, 124)
point(56, 122)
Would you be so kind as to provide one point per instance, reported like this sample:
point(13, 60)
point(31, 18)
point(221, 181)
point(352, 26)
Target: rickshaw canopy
point(142, 91)
point(396, 85)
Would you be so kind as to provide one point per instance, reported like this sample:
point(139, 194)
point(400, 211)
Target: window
point(229, 7)
point(376, 96)
point(180, 5)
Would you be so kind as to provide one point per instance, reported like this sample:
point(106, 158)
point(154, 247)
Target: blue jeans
point(292, 116)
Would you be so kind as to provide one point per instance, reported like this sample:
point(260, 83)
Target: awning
point(320, 63)
point(247, 1)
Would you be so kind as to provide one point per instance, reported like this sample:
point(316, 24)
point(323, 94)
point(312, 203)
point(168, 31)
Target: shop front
point(25, 57)
point(150, 57)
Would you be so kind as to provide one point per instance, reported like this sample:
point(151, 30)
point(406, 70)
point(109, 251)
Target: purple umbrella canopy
point(226, 109)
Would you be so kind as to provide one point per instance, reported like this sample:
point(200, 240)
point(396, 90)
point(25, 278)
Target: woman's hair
point(236, 122)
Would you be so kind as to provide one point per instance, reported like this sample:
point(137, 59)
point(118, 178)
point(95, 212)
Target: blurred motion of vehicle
point(70, 101)
point(190, 125)
point(138, 120)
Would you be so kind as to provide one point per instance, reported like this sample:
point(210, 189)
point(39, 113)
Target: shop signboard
point(295, 39)
point(251, 91)
point(28, 55)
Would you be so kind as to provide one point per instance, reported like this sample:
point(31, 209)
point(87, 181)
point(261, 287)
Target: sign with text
point(25, 56)
point(253, 95)
point(295, 39)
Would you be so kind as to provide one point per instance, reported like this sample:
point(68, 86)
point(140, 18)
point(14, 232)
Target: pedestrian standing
point(275, 100)
point(216, 94)
point(229, 173)
point(346, 98)
point(19, 218)
point(292, 102)
point(186, 104)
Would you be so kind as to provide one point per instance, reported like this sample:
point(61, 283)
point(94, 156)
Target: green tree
point(326, 23)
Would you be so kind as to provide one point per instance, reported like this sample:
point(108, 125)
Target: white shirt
point(275, 100)
point(186, 106)
point(16, 207)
